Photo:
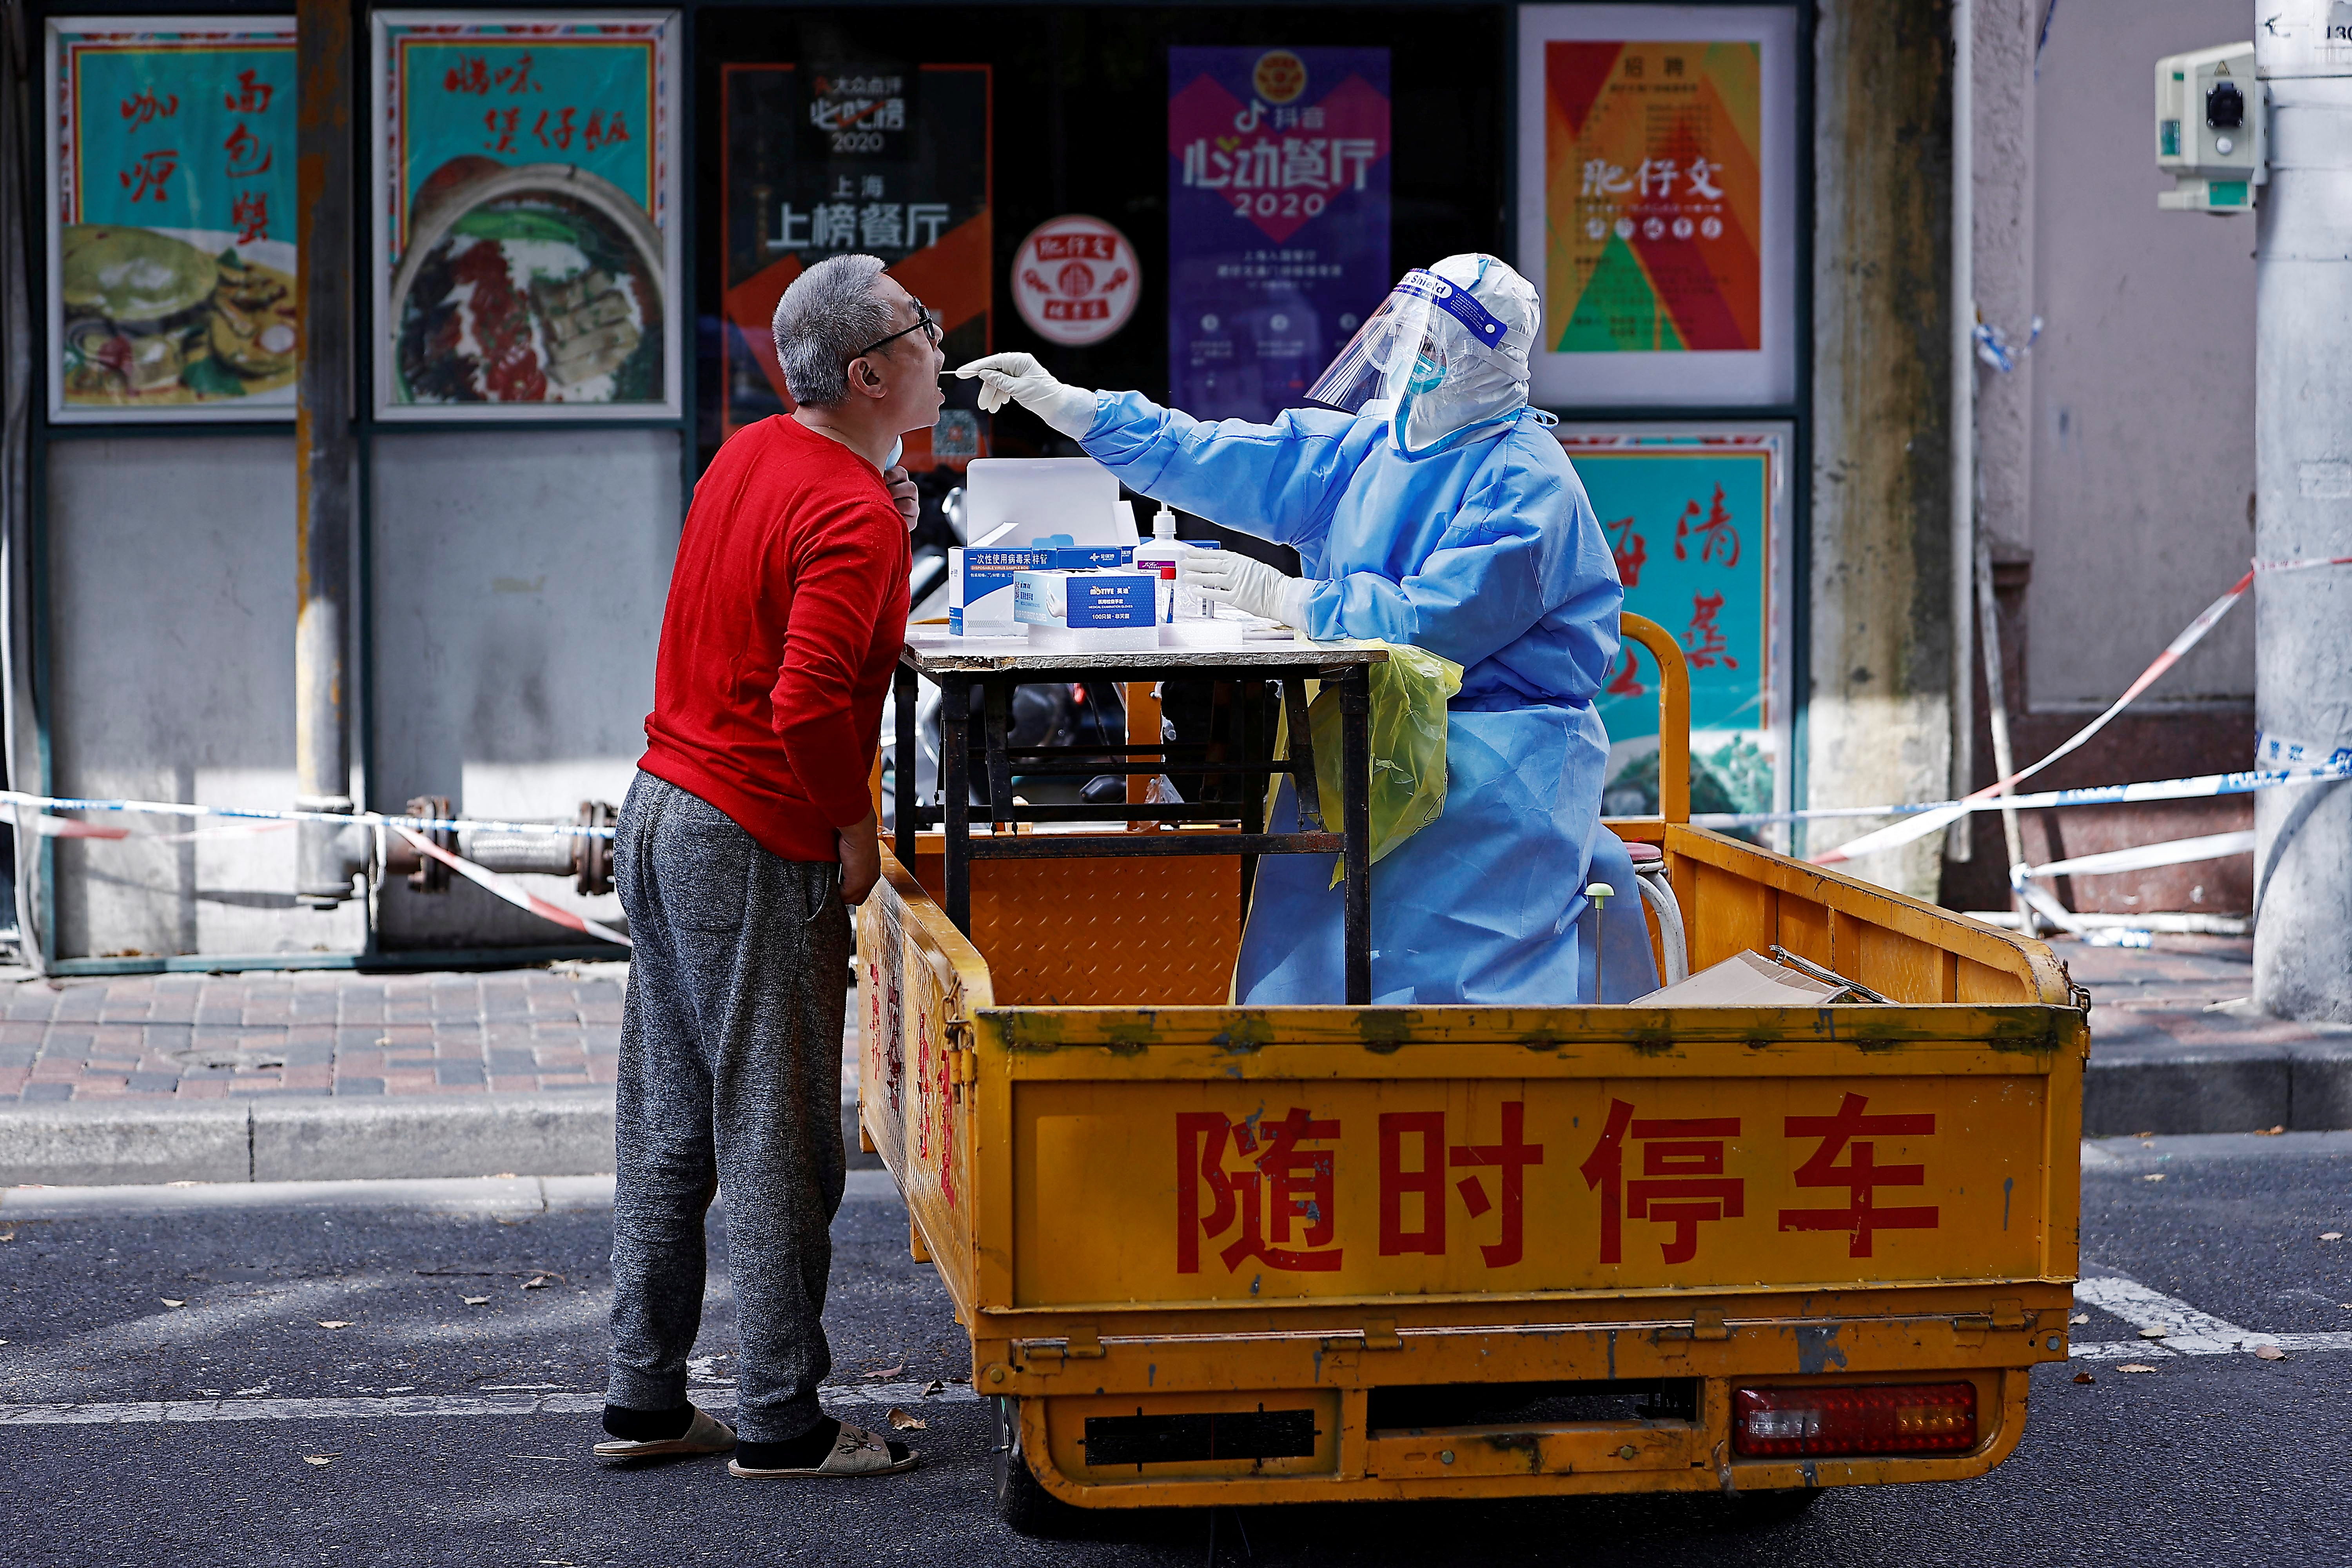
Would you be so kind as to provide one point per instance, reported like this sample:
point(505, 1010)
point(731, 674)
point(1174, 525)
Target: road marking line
point(2192, 1333)
point(2142, 1308)
point(175, 1411)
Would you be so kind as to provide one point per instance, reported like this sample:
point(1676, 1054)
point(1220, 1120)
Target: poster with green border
point(1697, 519)
point(525, 214)
point(169, 218)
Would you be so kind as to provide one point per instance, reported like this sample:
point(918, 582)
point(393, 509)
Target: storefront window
point(941, 139)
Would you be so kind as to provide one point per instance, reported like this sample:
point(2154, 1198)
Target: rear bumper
point(1353, 1461)
point(1352, 1385)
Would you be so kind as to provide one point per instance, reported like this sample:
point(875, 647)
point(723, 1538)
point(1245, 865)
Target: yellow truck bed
point(1218, 1254)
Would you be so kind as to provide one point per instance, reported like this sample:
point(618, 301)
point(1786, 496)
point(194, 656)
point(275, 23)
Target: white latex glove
point(1067, 409)
point(1251, 586)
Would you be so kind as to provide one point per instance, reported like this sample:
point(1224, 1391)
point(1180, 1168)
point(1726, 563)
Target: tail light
point(1882, 1418)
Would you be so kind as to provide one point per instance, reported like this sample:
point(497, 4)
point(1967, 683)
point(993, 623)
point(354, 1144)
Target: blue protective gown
point(1487, 553)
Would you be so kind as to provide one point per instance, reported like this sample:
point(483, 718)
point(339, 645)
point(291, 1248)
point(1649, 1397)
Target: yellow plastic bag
point(1409, 694)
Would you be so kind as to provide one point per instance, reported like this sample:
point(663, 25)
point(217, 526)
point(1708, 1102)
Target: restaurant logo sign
point(1076, 280)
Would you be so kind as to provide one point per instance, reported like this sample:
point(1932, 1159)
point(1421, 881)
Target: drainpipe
point(326, 857)
point(1963, 555)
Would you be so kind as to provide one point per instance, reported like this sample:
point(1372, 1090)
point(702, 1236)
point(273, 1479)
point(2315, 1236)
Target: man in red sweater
point(748, 834)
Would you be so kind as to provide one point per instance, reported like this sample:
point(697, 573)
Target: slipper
point(704, 1435)
point(855, 1453)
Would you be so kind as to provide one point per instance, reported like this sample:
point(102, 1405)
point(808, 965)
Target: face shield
point(1435, 357)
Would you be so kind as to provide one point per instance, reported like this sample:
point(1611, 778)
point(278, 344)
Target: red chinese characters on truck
point(1269, 1190)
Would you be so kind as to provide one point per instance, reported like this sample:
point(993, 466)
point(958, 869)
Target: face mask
point(897, 450)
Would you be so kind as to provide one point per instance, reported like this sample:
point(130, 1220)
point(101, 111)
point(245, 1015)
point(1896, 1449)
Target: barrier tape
point(2197, 788)
point(66, 828)
point(512, 892)
point(262, 814)
point(1921, 821)
point(1896, 834)
point(2142, 857)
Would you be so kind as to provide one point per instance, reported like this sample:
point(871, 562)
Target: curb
point(144, 1143)
point(476, 1194)
point(2303, 1086)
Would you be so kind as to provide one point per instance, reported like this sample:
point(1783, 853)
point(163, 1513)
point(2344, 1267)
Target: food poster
point(874, 157)
point(1654, 208)
point(1692, 523)
point(1277, 220)
point(526, 215)
point(170, 203)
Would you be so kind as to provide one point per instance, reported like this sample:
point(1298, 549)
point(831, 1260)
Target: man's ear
point(862, 377)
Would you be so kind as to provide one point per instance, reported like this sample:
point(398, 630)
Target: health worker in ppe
point(1429, 505)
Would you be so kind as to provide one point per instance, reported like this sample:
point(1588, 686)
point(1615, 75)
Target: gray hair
point(824, 318)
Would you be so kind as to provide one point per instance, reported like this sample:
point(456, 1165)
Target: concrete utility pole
point(322, 448)
point(2303, 484)
point(1883, 576)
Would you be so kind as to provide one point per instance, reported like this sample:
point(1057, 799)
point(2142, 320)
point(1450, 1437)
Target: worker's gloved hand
point(1067, 409)
point(1250, 586)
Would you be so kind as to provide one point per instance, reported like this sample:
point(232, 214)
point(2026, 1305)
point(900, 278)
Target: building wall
point(518, 587)
point(2143, 458)
point(518, 580)
point(172, 656)
point(2116, 461)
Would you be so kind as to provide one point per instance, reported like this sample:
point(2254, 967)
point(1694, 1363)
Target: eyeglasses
point(924, 323)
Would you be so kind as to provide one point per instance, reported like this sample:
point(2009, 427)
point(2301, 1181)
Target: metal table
point(957, 665)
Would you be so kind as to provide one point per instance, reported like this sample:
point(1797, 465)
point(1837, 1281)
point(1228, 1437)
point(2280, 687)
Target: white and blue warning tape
point(2338, 767)
point(19, 798)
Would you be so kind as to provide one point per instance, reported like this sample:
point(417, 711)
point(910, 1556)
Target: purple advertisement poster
point(1277, 220)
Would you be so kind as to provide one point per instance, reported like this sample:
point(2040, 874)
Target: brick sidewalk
point(2186, 991)
point(209, 1037)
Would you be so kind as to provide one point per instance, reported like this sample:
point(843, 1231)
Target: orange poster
point(1653, 196)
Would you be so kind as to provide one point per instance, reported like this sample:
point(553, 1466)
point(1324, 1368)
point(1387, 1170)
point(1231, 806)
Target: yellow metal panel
point(1231, 1044)
point(1208, 1191)
point(1461, 1452)
point(1723, 883)
point(1094, 931)
point(1727, 913)
point(1805, 929)
point(918, 980)
point(2000, 1421)
point(1983, 982)
point(1065, 1421)
point(1897, 964)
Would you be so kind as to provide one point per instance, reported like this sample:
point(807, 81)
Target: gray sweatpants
point(729, 1076)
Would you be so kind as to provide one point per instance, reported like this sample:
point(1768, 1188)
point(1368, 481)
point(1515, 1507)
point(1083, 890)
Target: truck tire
point(1025, 1507)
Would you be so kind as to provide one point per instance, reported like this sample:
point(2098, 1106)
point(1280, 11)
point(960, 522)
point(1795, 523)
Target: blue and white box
point(1100, 609)
point(979, 588)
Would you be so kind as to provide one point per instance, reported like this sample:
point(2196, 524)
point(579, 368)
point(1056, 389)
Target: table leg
point(905, 694)
point(1356, 790)
point(1301, 739)
point(955, 784)
point(1142, 729)
point(1250, 718)
point(995, 735)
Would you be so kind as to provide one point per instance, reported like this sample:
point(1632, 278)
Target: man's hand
point(861, 861)
point(904, 496)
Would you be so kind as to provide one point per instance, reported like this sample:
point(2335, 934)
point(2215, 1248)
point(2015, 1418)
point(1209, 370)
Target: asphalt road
point(2212, 1459)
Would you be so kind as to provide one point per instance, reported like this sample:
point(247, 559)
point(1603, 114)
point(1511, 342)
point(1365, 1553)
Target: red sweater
point(787, 609)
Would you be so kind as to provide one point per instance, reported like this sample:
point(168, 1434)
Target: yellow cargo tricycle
point(1209, 1254)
